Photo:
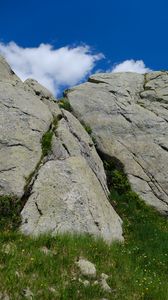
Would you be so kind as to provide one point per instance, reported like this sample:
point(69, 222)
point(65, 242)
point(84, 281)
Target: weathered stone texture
point(63, 191)
point(70, 192)
point(128, 114)
point(23, 121)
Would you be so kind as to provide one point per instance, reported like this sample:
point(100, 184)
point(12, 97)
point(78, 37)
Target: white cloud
point(131, 65)
point(53, 68)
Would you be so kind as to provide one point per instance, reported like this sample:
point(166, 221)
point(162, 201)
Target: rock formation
point(64, 189)
point(128, 114)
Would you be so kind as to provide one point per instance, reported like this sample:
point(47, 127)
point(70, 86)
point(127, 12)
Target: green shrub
point(65, 104)
point(9, 213)
point(46, 142)
point(116, 178)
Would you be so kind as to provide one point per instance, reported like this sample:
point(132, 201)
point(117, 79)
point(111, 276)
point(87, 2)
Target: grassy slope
point(137, 268)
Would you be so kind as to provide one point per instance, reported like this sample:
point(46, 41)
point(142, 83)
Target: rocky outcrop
point(23, 121)
point(128, 114)
point(70, 192)
point(63, 188)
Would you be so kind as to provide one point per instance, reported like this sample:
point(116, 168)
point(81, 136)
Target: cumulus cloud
point(131, 65)
point(53, 68)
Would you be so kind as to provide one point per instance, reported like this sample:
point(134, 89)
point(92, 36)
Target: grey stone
point(4, 296)
point(66, 190)
point(105, 286)
point(46, 251)
point(6, 73)
point(23, 121)
point(67, 197)
point(104, 283)
point(38, 89)
point(28, 293)
point(128, 114)
point(104, 276)
point(86, 268)
point(86, 283)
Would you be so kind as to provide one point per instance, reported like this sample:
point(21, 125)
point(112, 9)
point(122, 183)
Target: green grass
point(65, 104)
point(9, 213)
point(87, 128)
point(46, 142)
point(137, 268)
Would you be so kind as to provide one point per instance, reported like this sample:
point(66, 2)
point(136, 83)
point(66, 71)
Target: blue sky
point(120, 30)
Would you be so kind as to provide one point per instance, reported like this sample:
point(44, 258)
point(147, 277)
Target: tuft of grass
point(10, 207)
point(87, 128)
point(46, 142)
point(55, 122)
point(89, 131)
point(65, 104)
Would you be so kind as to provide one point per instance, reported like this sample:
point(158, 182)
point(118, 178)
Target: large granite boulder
point(23, 121)
point(128, 114)
point(64, 190)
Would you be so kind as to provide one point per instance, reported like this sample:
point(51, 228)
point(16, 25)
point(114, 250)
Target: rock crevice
point(128, 119)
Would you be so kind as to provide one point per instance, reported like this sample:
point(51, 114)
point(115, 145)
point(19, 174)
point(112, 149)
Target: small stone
point(105, 286)
point(28, 293)
point(18, 274)
point(86, 283)
point(34, 276)
point(86, 267)
point(45, 250)
point(9, 248)
point(51, 289)
point(4, 296)
point(104, 276)
point(95, 282)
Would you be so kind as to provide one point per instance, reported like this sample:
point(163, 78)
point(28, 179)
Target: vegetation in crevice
point(46, 146)
point(56, 119)
point(87, 128)
point(46, 142)
point(65, 104)
point(66, 92)
point(11, 206)
point(10, 218)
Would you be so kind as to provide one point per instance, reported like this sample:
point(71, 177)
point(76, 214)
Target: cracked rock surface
point(128, 114)
point(63, 191)
point(70, 192)
point(23, 121)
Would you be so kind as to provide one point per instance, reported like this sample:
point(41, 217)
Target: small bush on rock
point(65, 104)
point(46, 142)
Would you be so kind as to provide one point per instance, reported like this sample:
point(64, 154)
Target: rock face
point(128, 114)
point(64, 190)
point(23, 121)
